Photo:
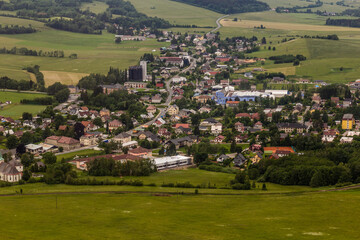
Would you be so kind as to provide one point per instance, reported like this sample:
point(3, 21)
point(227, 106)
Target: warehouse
point(172, 162)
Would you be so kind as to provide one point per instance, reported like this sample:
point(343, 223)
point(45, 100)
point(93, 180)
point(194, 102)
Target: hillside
point(229, 6)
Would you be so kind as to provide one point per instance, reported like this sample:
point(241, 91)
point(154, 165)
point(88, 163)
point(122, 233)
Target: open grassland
point(286, 26)
point(96, 53)
point(285, 3)
point(147, 216)
point(95, 7)
point(21, 22)
point(176, 13)
point(15, 110)
point(72, 155)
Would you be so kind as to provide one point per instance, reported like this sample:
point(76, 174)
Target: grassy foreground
point(138, 216)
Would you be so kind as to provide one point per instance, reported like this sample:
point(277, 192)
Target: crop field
point(149, 216)
point(67, 78)
point(177, 13)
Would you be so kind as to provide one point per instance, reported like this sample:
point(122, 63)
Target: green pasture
point(84, 153)
point(95, 7)
point(148, 216)
point(16, 97)
point(177, 13)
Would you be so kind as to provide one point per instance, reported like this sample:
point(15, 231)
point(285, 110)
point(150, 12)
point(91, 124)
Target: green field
point(177, 13)
point(96, 53)
point(147, 216)
point(95, 7)
point(78, 153)
point(15, 110)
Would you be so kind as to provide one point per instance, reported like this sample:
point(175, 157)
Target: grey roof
point(290, 125)
point(6, 168)
point(122, 135)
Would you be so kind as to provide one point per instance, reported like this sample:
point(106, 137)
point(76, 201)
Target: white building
point(172, 162)
point(278, 93)
point(143, 65)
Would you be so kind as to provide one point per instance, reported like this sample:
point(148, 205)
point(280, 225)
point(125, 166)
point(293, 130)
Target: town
point(200, 103)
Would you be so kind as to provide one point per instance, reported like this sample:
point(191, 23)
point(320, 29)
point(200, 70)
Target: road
point(218, 23)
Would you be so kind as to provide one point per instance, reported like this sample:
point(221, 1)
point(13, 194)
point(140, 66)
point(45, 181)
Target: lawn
point(146, 216)
point(70, 156)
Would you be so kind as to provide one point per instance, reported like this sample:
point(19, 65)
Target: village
point(201, 100)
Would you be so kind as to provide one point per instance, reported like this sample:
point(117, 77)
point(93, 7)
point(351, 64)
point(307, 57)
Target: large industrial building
point(136, 74)
point(172, 162)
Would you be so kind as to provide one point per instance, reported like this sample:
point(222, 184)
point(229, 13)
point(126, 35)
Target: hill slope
point(229, 6)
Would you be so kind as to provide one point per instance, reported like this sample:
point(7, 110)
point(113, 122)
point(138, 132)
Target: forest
point(229, 6)
point(343, 22)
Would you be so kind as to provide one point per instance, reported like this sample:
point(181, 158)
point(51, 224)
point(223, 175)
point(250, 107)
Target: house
point(34, 149)
point(122, 138)
point(104, 112)
point(9, 172)
point(346, 139)
point(148, 136)
point(88, 140)
point(240, 138)
point(258, 125)
point(135, 85)
point(239, 127)
point(239, 160)
point(183, 130)
point(219, 139)
point(156, 99)
point(141, 152)
point(256, 159)
point(176, 61)
point(348, 121)
point(222, 158)
point(65, 142)
point(107, 89)
point(290, 127)
point(115, 124)
point(173, 110)
point(282, 153)
point(181, 142)
point(151, 109)
point(216, 128)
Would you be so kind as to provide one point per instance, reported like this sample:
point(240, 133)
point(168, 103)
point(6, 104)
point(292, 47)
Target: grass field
point(15, 110)
point(96, 53)
point(177, 13)
point(95, 7)
point(78, 153)
point(145, 216)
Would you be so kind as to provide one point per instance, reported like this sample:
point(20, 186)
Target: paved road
point(218, 23)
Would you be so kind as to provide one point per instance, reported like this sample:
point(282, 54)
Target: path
point(181, 192)
point(218, 23)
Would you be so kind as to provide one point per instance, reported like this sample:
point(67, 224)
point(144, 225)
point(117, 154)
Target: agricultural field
point(15, 110)
point(150, 216)
point(177, 13)
point(96, 53)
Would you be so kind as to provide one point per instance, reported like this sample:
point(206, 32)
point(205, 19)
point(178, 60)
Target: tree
point(26, 175)
point(27, 116)
point(161, 151)
point(171, 151)
point(78, 130)
point(27, 159)
point(233, 146)
point(49, 158)
point(263, 40)
point(20, 149)
point(98, 122)
point(264, 188)
point(27, 138)
point(62, 95)
point(11, 142)
point(200, 157)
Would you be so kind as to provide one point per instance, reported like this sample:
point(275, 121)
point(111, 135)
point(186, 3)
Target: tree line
point(16, 29)
point(29, 52)
point(287, 58)
point(343, 22)
point(229, 6)
point(110, 167)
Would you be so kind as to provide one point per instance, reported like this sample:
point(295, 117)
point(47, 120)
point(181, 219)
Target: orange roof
point(274, 149)
point(184, 125)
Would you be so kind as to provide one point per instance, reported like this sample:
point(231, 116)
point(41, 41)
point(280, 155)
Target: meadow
point(15, 110)
point(152, 216)
point(177, 13)
point(96, 53)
